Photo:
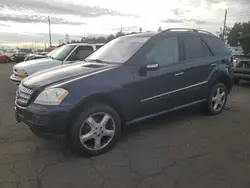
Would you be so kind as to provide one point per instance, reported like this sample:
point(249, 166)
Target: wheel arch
point(221, 75)
point(96, 98)
point(225, 79)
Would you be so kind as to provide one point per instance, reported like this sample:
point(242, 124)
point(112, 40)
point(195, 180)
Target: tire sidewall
point(214, 88)
point(75, 129)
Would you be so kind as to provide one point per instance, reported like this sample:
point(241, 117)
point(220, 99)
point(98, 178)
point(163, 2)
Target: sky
point(26, 21)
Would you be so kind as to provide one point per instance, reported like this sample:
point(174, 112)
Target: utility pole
point(49, 31)
point(224, 25)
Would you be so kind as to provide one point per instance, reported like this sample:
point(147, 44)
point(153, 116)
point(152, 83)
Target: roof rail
point(188, 29)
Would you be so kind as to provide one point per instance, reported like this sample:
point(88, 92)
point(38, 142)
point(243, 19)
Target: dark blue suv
point(130, 79)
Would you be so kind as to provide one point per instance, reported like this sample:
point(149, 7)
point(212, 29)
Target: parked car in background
point(129, 79)
point(38, 56)
point(19, 56)
point(4, 58)
point(10, 53)
point(236, 51)
point(241, 69)
point(63, 55)
point(45, 51)
point(33, 56)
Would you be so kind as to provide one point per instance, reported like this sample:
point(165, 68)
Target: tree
point(238, 30)
point(220, 33)
point(110, 37)
point(119, 34)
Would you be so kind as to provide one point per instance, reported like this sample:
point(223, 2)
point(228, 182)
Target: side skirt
point(163, 112)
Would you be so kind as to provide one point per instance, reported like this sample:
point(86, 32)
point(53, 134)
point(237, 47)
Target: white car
point(236, 51)
point(65, 54)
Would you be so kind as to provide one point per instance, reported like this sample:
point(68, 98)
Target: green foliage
point(99, 39)
point(220, 33)
point(237, 31)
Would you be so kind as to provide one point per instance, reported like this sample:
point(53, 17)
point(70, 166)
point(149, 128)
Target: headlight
point(53, 96)
point(19, 71)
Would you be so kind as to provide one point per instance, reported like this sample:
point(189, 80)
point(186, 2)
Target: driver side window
point(81, 53)
point(165, 52)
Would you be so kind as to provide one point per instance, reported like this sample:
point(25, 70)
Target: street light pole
point(49, 31)
point(224, 25)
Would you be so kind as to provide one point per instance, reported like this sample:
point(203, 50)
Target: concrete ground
point(183, 149)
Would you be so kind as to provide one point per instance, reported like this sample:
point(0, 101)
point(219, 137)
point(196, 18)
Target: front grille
point(23, 95)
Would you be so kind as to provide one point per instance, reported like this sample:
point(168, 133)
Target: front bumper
point(15, 78)
point(241, 73)
point(241, 76)
point(44, 120)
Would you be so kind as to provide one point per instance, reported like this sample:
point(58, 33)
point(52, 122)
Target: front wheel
point(96, 130)
point(217, 99)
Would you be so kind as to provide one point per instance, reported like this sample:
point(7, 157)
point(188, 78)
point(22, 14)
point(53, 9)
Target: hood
point(245, 44)
point(63, 73)
point(35, 65)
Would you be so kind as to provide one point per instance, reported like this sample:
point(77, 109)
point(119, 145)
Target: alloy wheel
point(218, 99)
point(97, 131)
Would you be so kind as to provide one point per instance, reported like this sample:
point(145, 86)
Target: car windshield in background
point(52, 52)
point(118, 50)
point(62, 52)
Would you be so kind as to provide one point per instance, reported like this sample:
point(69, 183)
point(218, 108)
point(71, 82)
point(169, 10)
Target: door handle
point(213, 64)
point(179, 74)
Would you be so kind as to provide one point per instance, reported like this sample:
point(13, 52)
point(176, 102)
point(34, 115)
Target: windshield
point(118, 50)
point(50, 53)
point(62, 52)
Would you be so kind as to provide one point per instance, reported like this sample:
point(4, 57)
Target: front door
point(157, 82)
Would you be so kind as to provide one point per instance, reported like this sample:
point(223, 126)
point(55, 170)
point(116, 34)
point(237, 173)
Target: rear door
point(198, 63)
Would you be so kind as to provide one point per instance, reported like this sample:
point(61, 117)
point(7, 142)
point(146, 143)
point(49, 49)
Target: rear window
point(217, 46)
point(192, 46)
point(206, 50)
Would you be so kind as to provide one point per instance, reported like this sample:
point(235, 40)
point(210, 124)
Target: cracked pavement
point(178, 150)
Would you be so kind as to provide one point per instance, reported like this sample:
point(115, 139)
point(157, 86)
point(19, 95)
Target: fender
point(220, 73)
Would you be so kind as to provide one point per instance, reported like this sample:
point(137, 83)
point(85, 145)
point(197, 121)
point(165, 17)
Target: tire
point(82, 122)
point(210, 104)
point(236, 81)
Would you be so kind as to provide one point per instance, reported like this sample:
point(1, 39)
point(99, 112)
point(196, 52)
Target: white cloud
point(96, 17)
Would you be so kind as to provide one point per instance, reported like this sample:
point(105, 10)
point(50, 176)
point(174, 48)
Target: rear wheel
point(96, 130)
point(217, 99)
